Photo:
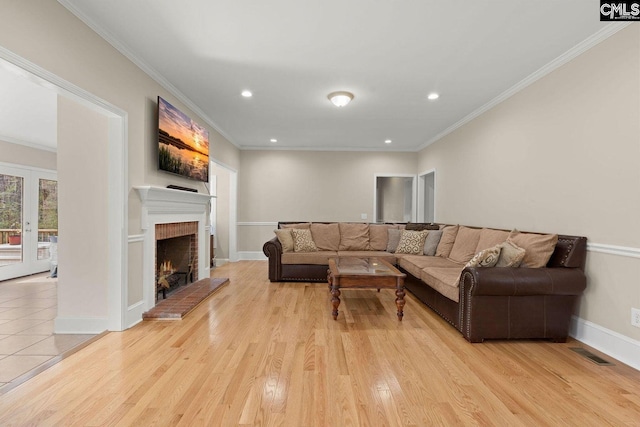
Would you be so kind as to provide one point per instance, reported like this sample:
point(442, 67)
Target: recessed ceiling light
point(247, 93)
point(273, 140)
point(433, 96)
point(387, 141)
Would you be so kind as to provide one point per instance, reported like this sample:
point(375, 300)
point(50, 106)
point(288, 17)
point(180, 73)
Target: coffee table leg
point(400, 301)
point(335, 292)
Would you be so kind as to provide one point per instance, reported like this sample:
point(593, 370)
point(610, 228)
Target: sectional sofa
point(487, 283)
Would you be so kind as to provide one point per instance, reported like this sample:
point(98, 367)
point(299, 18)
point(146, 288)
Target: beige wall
point(45, 33)
point(560, 156)
point(308, 186)
point(27, 156)
point(83, 244)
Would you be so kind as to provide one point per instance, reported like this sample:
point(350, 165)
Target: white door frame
point(233, 209)
point(117, 220)
point(421, 191)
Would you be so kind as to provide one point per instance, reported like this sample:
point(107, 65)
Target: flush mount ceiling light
point(247, 93)
point(273, 140)
point(387, 141)
point(433, 96)
point(340, 98)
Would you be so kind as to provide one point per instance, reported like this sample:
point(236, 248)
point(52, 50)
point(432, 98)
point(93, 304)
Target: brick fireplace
point(169, 214)
point(176, 254)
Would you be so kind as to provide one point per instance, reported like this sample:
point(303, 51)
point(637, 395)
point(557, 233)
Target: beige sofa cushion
point(326, 236)
point(411, 242)
point(464, 247)
point(538, 247)
point(317, 258)
point(379, 236)
point(447, 240)
point(369, 254)
point(286, 239)
point(445, 280)
point(490, 238)
point(301, 225)
point(303, 241)
point(511, 255)
point(414, 264)
point(354, 237)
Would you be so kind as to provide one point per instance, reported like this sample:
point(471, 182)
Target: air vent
point(592, 357)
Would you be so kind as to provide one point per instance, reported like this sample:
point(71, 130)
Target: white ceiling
point(28, 109)
point(389, 53)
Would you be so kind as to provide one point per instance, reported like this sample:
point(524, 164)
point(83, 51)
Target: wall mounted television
point(183, 145)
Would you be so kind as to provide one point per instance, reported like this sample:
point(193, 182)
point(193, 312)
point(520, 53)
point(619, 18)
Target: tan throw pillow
point(511, 255)
point(431, 242)
point(464, 247)
point(354, 237)
point(302, 241)
point(446, 241)
point(393, 238)
point(286, 239)
point(486, 258)
point(539, 247)
point(411, 242)
point(326, 236)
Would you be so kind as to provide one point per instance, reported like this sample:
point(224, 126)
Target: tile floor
point(27, 309)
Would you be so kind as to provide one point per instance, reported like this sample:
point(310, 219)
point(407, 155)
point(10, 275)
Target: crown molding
point(580, 48)
point(146, 68)
point(324, 149)
point(34, 145)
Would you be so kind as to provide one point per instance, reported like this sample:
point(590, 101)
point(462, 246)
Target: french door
point(28, 218)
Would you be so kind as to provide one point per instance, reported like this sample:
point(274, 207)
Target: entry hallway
point(28, 306)
point(260, 353)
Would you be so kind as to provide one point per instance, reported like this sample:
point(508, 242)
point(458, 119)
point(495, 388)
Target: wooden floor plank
point(270, 354)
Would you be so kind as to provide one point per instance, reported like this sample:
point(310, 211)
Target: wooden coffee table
point(364, 273)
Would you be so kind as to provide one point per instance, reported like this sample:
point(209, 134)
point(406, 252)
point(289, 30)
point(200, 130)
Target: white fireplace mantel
point(166, 205)
point(159, 201)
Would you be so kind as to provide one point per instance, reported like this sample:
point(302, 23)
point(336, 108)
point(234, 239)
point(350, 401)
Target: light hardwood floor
point(260, 353)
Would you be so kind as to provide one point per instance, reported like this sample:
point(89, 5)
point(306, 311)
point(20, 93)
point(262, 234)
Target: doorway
point(427, 196)
point(28, 218)
point(394, 198)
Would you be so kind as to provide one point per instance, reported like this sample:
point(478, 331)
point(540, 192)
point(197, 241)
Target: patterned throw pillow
point(302, 241)
point(286, 239)
point(511, 255)
point(486, 258)
point(411, 242)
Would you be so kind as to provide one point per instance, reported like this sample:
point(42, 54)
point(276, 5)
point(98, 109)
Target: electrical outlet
point(635, 317)
point(363, 216)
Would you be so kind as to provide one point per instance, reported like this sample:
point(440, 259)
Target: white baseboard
point(134, 314)
point(616, 345)
point(251, 256)
point(80, 325)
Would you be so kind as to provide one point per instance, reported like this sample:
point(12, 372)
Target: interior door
point(28, 217)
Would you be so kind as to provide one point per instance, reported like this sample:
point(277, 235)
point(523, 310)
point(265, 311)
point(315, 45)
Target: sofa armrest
point(273, 250)
point(508, 303)
point(522, 281)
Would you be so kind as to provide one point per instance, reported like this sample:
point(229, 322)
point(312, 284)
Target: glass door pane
point(47, 215)
point(11, 219)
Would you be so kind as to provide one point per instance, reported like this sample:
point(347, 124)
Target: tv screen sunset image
point(183, 145)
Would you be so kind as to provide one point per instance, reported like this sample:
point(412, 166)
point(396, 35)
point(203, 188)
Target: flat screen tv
point(183, 145)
